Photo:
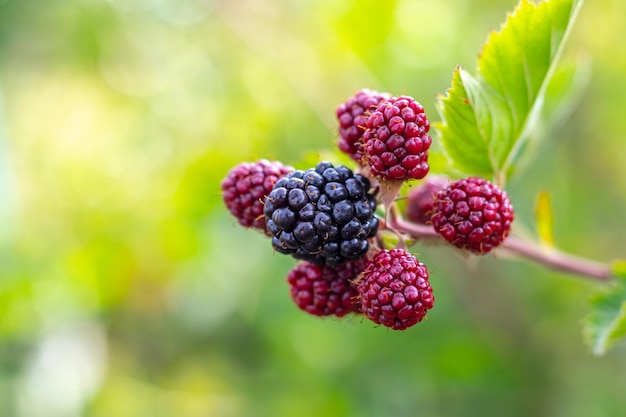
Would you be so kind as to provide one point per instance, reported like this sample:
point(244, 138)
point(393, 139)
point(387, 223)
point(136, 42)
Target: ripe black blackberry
point(473, 214)
point(394, 289)
point(324, 215)
point(245, 187)
point(352, 116)
point(396, 140)
point(324, 290)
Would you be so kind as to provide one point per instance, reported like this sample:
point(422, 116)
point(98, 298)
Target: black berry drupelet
point(324, 290)
point(473, 214)
point(245, 187)
point(352, 116)
point(324, 215)
point(420, 200)
point(396, 140)
point(394, 289)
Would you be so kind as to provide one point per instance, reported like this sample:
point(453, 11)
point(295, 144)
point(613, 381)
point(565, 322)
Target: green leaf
point(487, 118)
point(569, 80)
point(563, 93)
point(459, 131)
point(606, 324)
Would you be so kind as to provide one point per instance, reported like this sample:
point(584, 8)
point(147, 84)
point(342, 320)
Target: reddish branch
point(548, 257)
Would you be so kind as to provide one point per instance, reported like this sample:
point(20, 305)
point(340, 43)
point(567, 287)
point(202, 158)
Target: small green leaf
point(545, 219)
point(606, 324)
point(487, 118)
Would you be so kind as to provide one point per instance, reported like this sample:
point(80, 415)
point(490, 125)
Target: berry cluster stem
point(549, 257)
point(559, 260)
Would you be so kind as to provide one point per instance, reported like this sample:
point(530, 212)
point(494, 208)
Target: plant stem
point(558, 260)
point(548, 257)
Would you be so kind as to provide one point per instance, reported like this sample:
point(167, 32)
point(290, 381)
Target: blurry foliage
point(127, 290)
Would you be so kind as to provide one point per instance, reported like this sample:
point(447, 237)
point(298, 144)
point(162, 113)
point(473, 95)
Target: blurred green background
point(126, 289)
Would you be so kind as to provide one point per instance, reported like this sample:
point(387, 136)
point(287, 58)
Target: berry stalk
point(558, 260)
point(551, 258)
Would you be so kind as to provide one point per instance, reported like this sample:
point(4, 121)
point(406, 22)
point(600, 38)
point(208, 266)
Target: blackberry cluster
point(324, 290)
point(245, 187)
point(396, 140)
point(324, 215)
point(473, 214)
point(352, 116)
point(394, 290)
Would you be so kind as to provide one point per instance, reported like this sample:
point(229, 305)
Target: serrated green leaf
point(462, 141)
point(487, 118)
point(545, 219)
point(606, 324)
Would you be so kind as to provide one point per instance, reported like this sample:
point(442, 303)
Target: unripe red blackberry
point(473, 214)
point(324, 290)
point(396, 141)
point(245, 187)
point(394, 289)
point(352, 116)
point(420, 200)
point(324, 215)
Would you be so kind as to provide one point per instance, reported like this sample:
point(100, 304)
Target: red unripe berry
point(473, 214)
point(352, 116)
point(396, 140)
point(245, 187)
point(394, 289)
point(324, 290)
point(420, 199)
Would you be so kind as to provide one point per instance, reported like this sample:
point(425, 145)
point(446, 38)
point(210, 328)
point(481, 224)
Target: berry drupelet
point(394, 289)
point(324, 215)
point(396, 140)
point(324, 290)
point(473, 214)
point(245, 187)
point(352, 116)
